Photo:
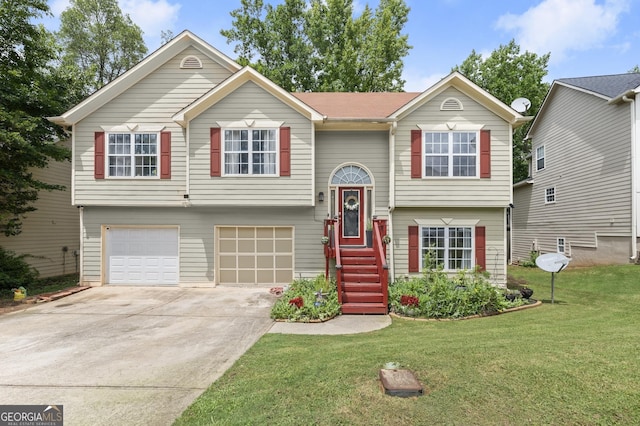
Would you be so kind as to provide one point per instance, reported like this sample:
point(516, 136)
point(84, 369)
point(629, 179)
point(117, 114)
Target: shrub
point(15, 271)
point(307, 300)
point(436, 295)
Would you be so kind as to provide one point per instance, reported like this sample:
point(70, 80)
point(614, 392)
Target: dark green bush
point(15, 271)
point(306, 300)
point(441, 296)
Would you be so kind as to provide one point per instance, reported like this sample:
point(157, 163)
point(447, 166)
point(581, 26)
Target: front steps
point(361, 288)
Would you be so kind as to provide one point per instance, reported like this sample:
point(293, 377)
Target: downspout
point(81, 261)
point(392, 194)
point(635, 177)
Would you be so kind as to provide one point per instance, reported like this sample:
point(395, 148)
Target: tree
point(635, 69)
point(508, 74)
point(319, 46)
point(31, 89)
point(99, 41)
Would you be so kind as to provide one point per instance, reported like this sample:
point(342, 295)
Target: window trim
point(249, 130)
point(538, 158)
point(450, 154)
point(119, 130)
point(563, 244)
point(547, 195)
point(447, 248)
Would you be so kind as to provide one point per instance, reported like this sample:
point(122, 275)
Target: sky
point(584, 37)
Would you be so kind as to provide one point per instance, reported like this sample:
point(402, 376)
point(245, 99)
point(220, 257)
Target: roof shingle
point(610, 86)
point(341, 105)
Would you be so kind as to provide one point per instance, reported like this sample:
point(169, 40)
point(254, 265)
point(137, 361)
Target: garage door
point(260, 255)
point(147, 256)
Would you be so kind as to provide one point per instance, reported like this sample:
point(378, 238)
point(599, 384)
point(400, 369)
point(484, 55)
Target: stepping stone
point(401, 383)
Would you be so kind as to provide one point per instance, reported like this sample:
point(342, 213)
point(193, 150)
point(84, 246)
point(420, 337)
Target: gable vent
point(191, 62)
point(451, 104)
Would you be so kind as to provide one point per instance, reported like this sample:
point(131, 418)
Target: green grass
point(44, 285)
point(574, 362)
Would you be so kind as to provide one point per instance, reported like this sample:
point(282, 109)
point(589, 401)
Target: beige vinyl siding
point(196, 239)
point(437, 192)
point(152, 101)
point(493, 219)
point(251, 102)
point(369, 149)
point(587, 159)
point(53, 226)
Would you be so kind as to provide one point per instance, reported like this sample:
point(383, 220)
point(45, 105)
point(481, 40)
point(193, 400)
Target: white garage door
point(261, 255)
point(146, 256)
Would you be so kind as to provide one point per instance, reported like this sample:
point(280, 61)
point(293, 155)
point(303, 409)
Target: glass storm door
point(352, 214)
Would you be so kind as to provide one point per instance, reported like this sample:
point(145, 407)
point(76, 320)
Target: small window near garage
point(540, 158)
point(550, 195)
point(560, 245)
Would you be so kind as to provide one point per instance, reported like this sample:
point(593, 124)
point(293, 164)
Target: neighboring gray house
point(583, 194)
point(192, 170)
point(50, 235)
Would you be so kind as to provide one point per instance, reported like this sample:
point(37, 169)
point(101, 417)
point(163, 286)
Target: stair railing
point(336, 242)
point(379, 249)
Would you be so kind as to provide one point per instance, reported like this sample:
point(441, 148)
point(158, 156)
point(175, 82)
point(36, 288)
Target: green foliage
point(531, 262)
point(321, 46)
point(508, 74)
point(15, 271)
point(319, 301)
point(31, 89)
point(441, 296)
point(99, 41)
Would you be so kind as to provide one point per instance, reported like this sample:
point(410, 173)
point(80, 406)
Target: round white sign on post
point(552, 262)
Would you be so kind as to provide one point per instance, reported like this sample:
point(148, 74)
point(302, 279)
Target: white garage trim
point(254, 255)
point(141, 255)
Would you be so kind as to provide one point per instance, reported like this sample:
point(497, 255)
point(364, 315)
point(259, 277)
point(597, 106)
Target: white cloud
point(417, 81)
point(151, 16)
point(58, 6)
point(561, 26)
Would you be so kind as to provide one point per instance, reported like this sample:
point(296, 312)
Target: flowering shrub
point(407, 300)
point(437, 295)
point(308, 300)
point(298, 302)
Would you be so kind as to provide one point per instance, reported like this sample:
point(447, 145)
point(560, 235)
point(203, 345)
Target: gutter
point(635, 173)
point(392, 194)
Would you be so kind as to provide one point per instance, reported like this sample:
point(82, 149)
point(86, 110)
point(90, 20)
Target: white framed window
point(540, 157)
point(560, 245)
point(250, 151)
point(450, 154)
point(451, 246)
point(133, 155)
point(550, 195)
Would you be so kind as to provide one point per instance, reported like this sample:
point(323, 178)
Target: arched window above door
point(351, 175)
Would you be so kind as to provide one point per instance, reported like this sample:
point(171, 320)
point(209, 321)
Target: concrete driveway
point(127, 355)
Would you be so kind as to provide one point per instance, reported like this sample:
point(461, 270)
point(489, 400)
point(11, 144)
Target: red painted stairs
point(362, 291)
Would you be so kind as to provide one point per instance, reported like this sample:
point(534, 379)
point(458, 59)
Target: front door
point(352, 215)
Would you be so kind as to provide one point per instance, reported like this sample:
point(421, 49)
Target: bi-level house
point(191, 170)
point(582, 198)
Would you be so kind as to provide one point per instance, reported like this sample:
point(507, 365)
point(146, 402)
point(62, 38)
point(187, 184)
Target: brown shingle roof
point(356, 105)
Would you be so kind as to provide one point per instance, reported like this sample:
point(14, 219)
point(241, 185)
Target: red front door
point(352, 216)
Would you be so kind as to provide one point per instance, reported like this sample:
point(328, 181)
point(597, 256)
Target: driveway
point(127, 355)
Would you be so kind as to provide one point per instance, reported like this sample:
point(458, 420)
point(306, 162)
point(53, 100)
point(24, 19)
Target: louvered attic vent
point(451, 104)
point(191, 62)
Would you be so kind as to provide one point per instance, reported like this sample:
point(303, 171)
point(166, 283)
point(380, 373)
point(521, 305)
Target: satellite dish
point(521, 104)
point(552, 262)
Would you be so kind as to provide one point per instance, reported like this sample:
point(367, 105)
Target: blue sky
point(585, 37)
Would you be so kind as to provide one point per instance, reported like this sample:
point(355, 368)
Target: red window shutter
point(481, 251)
point(165, 155)
point(416, 154)
point(285, 151)
point(485, 153)
point(216, 160)
point(98, 155)
point(414, 249)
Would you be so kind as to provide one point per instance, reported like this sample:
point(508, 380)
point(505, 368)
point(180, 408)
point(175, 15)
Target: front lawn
point(573, 362)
